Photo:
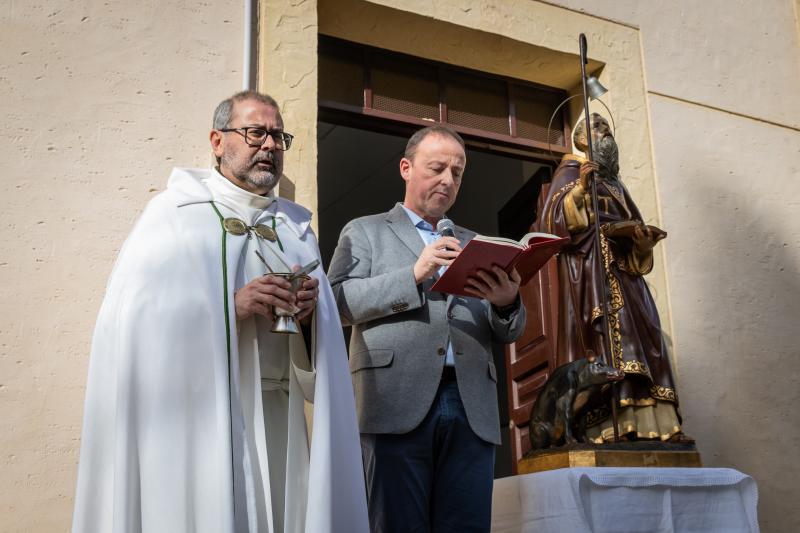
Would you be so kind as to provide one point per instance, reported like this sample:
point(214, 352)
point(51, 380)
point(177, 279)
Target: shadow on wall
point(286, 188)
point(735, 287)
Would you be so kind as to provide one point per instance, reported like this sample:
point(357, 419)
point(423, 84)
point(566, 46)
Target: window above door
point(377, 83)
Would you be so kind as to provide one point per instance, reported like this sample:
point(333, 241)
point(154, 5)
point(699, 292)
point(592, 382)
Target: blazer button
point(441, 351)
point(450, 315)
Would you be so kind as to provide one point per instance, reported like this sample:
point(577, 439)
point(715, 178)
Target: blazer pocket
point(370, 359)
point(492, 372)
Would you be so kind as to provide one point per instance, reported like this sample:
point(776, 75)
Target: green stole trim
point(225, 280)
point(227, 341)
point(277, 237)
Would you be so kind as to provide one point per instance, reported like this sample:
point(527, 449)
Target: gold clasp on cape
point(234, 226)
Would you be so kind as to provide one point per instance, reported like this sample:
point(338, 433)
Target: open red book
point(528, 256)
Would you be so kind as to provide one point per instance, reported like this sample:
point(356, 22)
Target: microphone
point(445, 228)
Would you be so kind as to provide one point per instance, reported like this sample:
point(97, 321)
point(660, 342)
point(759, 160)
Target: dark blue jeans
point(436, 478)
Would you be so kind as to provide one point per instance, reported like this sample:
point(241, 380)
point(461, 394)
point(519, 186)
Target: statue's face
point(600, 130)
point(600, 127)
point(604, 147)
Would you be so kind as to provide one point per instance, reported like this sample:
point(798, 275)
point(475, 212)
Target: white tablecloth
point(626, 500)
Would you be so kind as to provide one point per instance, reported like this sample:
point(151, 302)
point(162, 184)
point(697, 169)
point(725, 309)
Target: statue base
point(625, 454)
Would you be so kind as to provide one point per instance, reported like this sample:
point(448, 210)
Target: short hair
point(222, 115)
point(419, 136)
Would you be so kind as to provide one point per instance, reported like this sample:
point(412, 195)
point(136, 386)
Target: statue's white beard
point(606, 154)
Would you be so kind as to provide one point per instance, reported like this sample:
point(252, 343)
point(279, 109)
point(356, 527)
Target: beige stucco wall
point(734, 271)
point(287, 48)
point(99, 100)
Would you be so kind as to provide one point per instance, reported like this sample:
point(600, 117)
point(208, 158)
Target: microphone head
point(446, 228)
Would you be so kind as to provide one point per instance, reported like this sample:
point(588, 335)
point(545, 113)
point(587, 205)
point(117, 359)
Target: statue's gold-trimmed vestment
point(647, 395)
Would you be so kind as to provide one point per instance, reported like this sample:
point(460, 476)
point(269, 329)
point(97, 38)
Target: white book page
point(537, 236)
point(522, 243)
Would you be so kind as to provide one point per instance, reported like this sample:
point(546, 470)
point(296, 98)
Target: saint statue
point(647, 401)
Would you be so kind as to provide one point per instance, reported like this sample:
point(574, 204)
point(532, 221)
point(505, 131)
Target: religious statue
point(647, 401)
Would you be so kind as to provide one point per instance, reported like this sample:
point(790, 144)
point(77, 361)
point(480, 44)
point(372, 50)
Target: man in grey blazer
point(421, 361)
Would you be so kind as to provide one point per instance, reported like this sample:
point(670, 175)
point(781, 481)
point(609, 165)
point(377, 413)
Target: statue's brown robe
point(647, 395)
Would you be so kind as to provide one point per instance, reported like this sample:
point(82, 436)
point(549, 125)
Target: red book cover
point(528, 256)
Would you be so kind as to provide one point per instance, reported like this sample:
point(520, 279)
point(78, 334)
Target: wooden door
point(531, 359)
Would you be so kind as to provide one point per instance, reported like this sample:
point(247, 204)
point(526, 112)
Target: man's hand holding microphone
point(495, 286)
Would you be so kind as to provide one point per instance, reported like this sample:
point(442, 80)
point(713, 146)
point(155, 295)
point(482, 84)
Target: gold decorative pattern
point(607, 435)
point(619, 195)
point(596, 313)
point(638, 402)
point(616, 303)
point(663, 393)
point(616, 339)
point(568, 187)
point(635, 367)
point(544, 460)
point(596, 416)
point(616, 193)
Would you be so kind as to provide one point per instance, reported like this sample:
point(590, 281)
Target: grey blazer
point(401, 329)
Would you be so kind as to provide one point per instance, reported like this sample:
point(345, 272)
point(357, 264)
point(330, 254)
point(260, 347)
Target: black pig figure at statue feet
point(571, 388)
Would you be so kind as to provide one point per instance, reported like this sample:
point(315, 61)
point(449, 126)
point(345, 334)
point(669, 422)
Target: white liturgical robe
point(194, 422)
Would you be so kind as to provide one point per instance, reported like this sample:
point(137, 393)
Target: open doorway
point(358, 174)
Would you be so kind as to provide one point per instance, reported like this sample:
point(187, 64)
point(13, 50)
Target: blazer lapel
point(401, 225)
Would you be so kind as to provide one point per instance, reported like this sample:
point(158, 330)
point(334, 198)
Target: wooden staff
point(598, 250)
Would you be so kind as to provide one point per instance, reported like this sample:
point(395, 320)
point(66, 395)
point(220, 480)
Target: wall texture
point(288, 71)
point(99, 100)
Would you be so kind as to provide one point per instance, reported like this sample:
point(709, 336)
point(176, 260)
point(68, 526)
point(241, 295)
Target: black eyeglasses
point(256, 137)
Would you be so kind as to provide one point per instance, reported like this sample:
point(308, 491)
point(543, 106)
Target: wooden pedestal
point(620, 454)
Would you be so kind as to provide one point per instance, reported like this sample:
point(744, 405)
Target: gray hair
point(419, 136)
point(222, 115)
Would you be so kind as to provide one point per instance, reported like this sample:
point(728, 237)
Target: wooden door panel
point(531, 359)
point(536, 330)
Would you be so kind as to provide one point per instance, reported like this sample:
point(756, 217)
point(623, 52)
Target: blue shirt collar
point(418, 221)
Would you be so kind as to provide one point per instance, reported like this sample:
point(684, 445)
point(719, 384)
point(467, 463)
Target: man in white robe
point(194, 418)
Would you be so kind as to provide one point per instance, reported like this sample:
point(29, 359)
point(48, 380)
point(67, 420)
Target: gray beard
point(255, 178)
point(267, 180)
point(606, 154)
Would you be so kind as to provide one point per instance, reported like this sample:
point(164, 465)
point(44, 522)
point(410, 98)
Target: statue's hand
point(643, 238)
point(587, 168)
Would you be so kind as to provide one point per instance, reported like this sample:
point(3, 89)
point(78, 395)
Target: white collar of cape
point(186, 187)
